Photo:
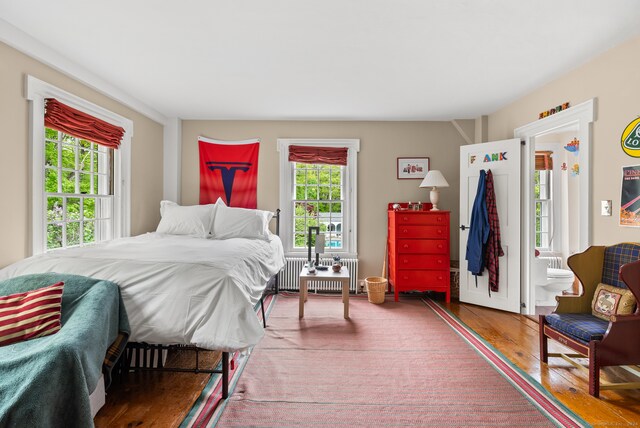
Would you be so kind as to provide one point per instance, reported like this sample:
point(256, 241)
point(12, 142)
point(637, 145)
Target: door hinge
point(522, 305)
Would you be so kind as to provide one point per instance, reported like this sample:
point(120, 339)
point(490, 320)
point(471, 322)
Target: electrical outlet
point(605, 208)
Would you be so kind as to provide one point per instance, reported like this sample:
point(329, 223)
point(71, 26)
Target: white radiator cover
point(555, 262)
point(289, 276)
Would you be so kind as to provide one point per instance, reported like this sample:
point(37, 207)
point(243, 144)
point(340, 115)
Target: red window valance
point(81, 125)
point(324, 155)
point(544, 161)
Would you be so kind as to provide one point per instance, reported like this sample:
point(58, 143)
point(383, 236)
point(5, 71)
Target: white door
point(503, 159)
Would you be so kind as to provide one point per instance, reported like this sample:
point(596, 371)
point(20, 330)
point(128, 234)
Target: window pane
point(68, 156)
point(68, 138)
point(89, 232)
point(335, 193)
point(84, 161)
point(312, 192)
point(51, 180)
point(324, 193)
point(336, 207)
point(84, 143)
point(300, 240)
point(89, 208)
point(336, 175)
point(73, 233)
point(68, 182)
point(50, 134)
point(85, 183)
point(54, 236)
point(312, 177)
point(51, 154)
point(300, 194)
point(300, 176)
point(73, 209)
point(54, 209)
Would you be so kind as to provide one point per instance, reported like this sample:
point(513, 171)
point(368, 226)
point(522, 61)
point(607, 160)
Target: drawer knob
point(404, 230)
point(405, 261)
point(406, 277)
point(439, 261)
point(439, 231)
point(440, 246)
point(439, 218)
point(440, 277)
point(405, 218)
point(405, 246)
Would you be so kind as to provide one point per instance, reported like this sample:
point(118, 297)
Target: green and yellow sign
point(630, 139)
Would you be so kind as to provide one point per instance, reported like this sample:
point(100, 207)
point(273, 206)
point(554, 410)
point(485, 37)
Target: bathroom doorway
point(556, 209)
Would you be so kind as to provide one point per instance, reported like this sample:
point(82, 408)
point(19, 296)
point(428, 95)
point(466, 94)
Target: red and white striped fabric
point(31, 314)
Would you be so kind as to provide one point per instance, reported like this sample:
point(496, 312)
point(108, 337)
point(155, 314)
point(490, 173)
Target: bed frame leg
point(264, 319)
point(225, 375)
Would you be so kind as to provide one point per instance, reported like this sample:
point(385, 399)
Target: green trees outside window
point(319, 199)
point(77, 190)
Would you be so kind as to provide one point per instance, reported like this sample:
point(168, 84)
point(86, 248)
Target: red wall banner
point(229, 170)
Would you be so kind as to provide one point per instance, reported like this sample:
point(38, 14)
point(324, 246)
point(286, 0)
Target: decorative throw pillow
point(240, 222)
point(609, 300)
point(32, 314)
point(193, 220)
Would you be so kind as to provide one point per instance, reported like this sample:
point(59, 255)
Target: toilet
point(549, 282)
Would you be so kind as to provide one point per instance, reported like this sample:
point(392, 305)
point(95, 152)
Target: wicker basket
point(376, 287)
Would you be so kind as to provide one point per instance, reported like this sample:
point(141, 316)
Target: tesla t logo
point(228, 171)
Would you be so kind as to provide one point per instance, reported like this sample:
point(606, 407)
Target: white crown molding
point(28, 45)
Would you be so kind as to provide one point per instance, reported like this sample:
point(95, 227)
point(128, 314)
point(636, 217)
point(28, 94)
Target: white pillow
point(193, 220)
point(240, 222)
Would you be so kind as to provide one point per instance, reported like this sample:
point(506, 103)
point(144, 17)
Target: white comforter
point(177, 289)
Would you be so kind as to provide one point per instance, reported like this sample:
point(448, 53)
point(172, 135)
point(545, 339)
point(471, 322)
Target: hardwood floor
point(164, 399)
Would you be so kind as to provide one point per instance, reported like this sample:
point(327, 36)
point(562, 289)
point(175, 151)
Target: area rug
point(408, 363)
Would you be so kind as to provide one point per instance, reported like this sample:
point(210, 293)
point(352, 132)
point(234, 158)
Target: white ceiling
point(326, 59)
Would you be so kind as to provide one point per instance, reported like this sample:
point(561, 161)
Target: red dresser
point(418, 245)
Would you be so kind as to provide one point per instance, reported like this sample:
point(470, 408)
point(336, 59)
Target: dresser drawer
point(429, 219)
point(419, 246)
point(422, 279)
point(422, 231)
point(422, 261)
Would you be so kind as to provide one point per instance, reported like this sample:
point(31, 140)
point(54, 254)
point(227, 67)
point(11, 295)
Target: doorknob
point(463, 227)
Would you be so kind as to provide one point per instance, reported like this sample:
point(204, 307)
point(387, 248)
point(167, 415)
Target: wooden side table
point(325, 275)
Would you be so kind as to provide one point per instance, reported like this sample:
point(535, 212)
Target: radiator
point(555, 262)
point(289, 276)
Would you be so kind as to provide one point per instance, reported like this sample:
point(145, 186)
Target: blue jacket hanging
point(478, 229)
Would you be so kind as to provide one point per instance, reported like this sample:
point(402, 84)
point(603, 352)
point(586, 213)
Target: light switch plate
point(605, 208)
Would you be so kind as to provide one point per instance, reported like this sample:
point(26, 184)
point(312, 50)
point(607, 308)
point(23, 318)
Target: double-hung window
point(80, 170)
point(317, 190)
point(543, 195)
point(78, 190)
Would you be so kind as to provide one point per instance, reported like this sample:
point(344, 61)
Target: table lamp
point(434, 179)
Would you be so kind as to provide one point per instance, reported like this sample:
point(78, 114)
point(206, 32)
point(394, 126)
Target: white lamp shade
point(434, 178)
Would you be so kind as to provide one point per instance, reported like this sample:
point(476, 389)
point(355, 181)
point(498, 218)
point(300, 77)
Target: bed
point(193, 282)
point(47, 381)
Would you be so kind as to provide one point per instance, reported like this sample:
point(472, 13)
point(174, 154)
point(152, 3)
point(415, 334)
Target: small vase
point(336, 267)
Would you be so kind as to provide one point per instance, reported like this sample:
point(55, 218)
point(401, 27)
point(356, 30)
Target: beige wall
point(146, 173)
point(380, 144)
point(613, 79)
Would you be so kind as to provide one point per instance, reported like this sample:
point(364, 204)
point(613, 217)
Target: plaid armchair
point(603, 323)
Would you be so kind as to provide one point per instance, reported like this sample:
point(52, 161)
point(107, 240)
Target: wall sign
point(630, 198)
point(554, 110)
point(630, 139)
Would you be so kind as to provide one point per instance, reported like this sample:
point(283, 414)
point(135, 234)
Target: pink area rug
point(409, 363)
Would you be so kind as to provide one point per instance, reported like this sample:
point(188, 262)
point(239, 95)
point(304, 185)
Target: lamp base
point(434, 196)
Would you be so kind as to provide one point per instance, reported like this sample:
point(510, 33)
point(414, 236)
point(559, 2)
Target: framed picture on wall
point(412, 168)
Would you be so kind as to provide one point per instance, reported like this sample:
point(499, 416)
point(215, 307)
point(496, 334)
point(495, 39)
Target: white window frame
point(287, 194)
point(36, 92)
